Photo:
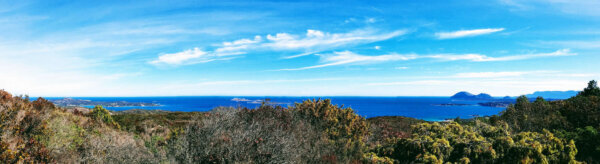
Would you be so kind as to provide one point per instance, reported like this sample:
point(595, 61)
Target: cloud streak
point(311, 42)
point(466, 33)
point(484, 58)
point(497, 74)
point(315, 39)
point(348, 57)
point(191, 56)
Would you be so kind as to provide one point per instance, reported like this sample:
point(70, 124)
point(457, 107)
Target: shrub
point(482, 143)
point(310, 132)
point(42, 104)
point(101, 114)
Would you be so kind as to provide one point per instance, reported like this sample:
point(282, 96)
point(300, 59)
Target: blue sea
point(426, 108)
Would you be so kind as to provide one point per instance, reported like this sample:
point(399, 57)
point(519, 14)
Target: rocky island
point(463, 95)
point(491, 101)
point(78, 102)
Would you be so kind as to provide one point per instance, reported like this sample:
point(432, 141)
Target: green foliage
point(345, 129)
point(314, 131)
point(481, 143)
point(535, 116)
point(371, 157)
point(574, 119)
point(587, 141)
point(591, 90)
point(99, 113)
point(310, 132)
point(149, 123)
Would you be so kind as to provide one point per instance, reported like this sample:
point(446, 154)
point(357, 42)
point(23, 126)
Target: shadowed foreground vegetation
point(314, 131)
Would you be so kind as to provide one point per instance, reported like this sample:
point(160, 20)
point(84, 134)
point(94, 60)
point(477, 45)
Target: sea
point(426, 108)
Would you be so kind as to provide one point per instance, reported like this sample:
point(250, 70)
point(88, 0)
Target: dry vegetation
point(314, 131)
point(39, 132)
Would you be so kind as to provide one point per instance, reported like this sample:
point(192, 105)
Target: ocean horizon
point(430, 108)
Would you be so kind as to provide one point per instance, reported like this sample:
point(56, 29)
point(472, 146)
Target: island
point(489, 101)
point(78, 102)
point(463, 95)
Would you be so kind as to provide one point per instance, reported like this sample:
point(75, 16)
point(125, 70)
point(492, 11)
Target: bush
point(482, 143)
point(101, 114)
point(310, 132)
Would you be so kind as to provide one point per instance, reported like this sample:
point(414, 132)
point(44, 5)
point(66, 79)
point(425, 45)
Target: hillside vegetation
point(313, 131)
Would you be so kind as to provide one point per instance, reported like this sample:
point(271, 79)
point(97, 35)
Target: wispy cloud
point(191, 56)
point(495, 87)
point(418, 82)
point(180, 57)
point(496, 74)
point(315, 40)
point(466, 33)
point(484, 58)
point(247, 82)
point(348, 57)
point(312, 42)
point(574, 7)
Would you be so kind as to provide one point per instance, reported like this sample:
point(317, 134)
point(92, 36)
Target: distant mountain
point(553, 94)
point(468, 96)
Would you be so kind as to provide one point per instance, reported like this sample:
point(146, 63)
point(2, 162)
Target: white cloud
point(492, 74)
point(493, 86)
point(484, 58)
point(466, 33)
point(180, 57)
point(312, 42)
point(419, 82)
point(348, 57)
point(377, 47)
point(315, 39)
point(257, 39)
point(300, 55)
point(246, 82)
point(237, 47)
point(314, 33)
point(371, 20)
point(401, 68)
point(574, 7)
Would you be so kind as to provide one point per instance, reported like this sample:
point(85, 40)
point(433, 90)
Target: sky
point(297, 48)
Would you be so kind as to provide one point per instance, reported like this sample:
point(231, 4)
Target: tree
point(591, 90)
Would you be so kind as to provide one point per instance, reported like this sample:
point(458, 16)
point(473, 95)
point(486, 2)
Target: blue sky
point(291, 48)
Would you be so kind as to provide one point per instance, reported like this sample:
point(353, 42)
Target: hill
point(553, 94)
point(463, 95)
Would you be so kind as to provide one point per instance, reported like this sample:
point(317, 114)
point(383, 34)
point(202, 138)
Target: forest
point(312, 131)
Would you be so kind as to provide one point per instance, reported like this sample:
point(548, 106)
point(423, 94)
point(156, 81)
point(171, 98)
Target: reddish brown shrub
point(5, 96)
point(42, 103)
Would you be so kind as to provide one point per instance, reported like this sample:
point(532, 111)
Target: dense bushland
point(314, 131)
point(576, 118)
point(310, 132)
point(39, 132)
point(481, 143)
